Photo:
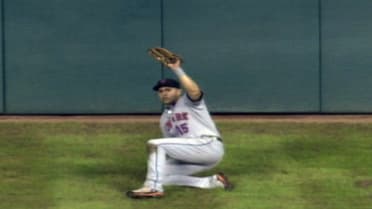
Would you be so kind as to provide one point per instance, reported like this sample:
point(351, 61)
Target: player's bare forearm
point(191, 87)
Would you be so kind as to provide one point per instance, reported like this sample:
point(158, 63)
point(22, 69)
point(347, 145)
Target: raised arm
point(191, 87)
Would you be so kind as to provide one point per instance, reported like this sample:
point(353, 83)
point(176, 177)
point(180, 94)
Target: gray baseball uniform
point(192, 144)
point(187, 119)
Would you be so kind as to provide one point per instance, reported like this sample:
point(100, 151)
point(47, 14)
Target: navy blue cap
point(166, 82)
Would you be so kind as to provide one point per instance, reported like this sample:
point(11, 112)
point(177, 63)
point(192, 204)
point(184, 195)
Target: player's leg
point(192, 150)
point(199, 154)
point(179, 173)
point(152, 186)
point(204, 151)
point(155, 168)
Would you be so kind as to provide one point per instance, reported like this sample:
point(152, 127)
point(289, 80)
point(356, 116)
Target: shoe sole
point(144, 195)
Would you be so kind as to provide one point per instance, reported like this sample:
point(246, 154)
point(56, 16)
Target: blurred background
point(249, 56)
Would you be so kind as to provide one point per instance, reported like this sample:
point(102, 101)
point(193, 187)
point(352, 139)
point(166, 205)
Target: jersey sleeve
point(194, 103)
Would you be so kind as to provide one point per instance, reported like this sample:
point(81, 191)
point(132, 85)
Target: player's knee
point(151, 145)
point(153, 142)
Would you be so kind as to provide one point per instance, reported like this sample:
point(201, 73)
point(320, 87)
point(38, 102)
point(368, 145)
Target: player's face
point(169, 95)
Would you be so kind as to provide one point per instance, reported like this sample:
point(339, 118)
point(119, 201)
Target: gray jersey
point(187, 119)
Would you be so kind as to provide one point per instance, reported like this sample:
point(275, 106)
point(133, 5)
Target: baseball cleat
point(225, 181)
point(144, 192)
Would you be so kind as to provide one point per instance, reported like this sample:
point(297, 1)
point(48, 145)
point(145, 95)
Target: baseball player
point(191, 142)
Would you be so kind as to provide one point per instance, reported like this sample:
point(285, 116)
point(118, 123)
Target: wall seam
point(162, 70)
point(320, 61)
point(320, 56)
point(3, 57)
point(162, 32)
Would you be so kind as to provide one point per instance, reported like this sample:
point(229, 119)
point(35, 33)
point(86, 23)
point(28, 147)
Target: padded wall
point(249, 56)
point(81, 56)
point(346, 57)
point(257, 56)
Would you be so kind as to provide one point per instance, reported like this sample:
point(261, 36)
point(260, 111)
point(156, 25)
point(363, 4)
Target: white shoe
point(143, 189)
point(215, 183)
point(145, 192)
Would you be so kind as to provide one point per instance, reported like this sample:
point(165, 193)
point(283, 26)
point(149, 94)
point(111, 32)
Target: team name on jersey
point(182, 128)
point(177, 117)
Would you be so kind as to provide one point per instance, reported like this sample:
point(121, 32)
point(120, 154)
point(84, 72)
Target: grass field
point(80, 165)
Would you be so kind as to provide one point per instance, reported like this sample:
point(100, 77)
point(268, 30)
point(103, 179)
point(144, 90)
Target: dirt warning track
point(218, 118)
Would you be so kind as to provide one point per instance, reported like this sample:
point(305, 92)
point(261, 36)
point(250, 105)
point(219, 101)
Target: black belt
point(211, 136)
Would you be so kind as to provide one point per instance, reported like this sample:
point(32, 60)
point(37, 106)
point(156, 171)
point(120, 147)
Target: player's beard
point(169, 101)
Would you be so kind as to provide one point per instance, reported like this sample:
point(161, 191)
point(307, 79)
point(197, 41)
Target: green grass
point(274, 165)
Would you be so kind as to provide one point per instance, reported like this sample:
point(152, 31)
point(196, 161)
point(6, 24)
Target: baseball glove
point(164, 55)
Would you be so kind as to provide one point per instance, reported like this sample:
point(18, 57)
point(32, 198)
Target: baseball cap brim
point(167, 82)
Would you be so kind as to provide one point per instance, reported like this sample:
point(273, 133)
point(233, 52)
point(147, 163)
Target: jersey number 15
point(182, 128)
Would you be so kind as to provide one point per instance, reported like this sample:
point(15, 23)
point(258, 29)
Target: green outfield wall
point(346, 56)
point(249, 56)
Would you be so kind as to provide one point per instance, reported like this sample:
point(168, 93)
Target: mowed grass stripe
point(274, 165)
